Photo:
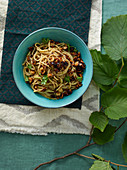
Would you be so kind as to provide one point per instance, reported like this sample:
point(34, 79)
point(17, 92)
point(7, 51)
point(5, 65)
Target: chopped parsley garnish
point(67, 78)
point(44, 79)
point(79, 79)
point(29, 66)
point(26, 78)
point(75, 50)
point(69, 47)
point(45, 40)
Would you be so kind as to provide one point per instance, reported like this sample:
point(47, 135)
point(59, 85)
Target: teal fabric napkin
point(26, 16)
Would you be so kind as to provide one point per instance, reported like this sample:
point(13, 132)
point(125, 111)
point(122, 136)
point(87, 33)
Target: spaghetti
point(53, 69)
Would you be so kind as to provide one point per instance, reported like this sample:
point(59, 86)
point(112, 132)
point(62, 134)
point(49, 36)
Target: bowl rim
point(16, 82)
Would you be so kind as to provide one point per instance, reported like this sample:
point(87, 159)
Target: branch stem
point(119, 71)
point(53, 160)
point(104, 160)
point(100, 108)
point(89, 157)
point(121, 125)
point(90, 137)
point(84, 147)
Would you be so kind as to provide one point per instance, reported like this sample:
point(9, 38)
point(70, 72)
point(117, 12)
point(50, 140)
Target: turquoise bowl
point(57, 34)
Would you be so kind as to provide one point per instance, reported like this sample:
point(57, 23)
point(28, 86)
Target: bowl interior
point(56, 34)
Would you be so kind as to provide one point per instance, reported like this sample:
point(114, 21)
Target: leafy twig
point(76, 152)
point(95, 159)
point(62, 157)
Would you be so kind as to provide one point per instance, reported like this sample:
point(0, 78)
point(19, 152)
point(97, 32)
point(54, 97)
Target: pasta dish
point(53, 69)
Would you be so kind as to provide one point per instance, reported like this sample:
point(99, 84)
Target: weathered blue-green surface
point(25, 152)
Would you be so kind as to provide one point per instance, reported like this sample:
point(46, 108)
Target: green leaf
point(79, 79)
point(124, 148)
point(123, 83)
point(105, 87)
point(67, 78)
point(114, 102)
point(104, 137)
point(45, 40)
point(26, 78)
point(44, 79)
point(105, 70)
point(114, 37)
point(101, 165)
point(99, 120)
point(29, 66)
point(98, 157)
